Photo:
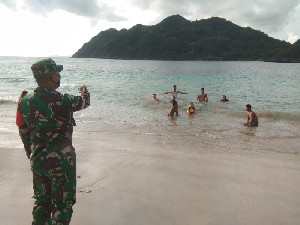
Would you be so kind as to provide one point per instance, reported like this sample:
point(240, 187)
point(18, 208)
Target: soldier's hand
point(81, 89)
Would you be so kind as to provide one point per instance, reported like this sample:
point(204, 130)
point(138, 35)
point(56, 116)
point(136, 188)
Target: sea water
point(121, 92)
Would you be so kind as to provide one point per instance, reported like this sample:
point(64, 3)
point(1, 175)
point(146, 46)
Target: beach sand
point(150, 179)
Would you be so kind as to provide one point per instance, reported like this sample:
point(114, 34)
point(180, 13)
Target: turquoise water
point(121, 94)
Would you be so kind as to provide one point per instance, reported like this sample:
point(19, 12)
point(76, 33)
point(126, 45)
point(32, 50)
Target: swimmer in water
point(224, 99)
point(154, 98)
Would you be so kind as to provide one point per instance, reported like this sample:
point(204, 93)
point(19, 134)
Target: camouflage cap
point(45, 66)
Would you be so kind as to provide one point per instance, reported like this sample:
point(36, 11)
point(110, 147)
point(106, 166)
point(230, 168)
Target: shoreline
point(142, 179)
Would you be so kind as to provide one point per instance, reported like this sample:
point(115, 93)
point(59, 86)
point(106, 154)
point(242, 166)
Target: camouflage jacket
point(48, 117)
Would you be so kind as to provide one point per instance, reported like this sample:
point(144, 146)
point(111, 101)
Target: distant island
point(176, 38)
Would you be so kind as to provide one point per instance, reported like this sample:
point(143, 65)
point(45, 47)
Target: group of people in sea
point(252, 119)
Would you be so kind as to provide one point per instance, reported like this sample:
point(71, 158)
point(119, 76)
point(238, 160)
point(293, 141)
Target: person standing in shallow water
point(174, 108)
point(45, 121)
point(202, 97)
point(174, 92)
point(252, 119)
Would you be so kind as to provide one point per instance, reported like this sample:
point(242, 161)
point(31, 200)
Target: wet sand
point(147, 179)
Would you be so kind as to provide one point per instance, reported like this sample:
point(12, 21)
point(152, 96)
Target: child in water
point(154, 98)
point(174, 108)
point(191, 109)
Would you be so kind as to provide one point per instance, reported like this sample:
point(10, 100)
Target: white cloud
point(9, 3)
point(88, 8)
point(27, 34)
point(292, 38)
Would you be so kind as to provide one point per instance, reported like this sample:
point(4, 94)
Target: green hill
point(297, 42)
point(176, 38)
point(290, 55)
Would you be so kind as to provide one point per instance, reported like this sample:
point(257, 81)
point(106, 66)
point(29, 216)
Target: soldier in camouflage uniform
point(45, 120)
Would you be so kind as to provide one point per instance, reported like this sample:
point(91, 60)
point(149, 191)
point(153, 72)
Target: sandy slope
point(145, 180)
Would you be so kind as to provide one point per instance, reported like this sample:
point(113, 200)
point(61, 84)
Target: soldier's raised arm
point(80, 102)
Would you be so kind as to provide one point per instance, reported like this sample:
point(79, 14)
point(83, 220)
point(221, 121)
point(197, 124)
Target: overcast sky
point(60, 27)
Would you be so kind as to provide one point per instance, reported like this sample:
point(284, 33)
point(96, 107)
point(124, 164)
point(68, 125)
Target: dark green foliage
point(297, 42)
point(176, 38)
point(290, 55)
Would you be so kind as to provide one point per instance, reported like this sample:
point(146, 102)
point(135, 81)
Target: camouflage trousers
point(54, 184)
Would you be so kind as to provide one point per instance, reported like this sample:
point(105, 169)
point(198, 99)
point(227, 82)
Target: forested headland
point(176, 38)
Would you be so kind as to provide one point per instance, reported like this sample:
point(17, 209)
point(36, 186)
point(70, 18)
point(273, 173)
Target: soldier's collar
point(44, 89)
